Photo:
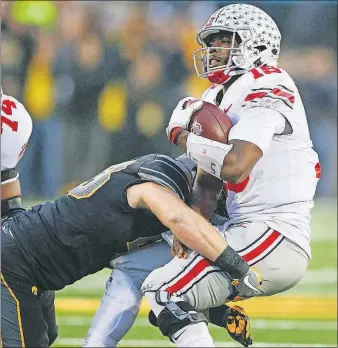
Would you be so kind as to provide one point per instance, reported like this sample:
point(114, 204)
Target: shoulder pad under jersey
point(16, 128)
point(169, 172)
point(271, 88)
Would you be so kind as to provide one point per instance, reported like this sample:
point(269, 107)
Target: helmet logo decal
point(197, 128)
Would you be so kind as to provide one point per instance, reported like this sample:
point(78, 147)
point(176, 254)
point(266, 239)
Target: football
point(210, 122)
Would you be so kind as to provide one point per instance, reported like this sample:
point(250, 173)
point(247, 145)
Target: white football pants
point(195, 280)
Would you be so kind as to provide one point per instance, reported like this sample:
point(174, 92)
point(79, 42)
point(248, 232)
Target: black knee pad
point(177, 315)
point(152, 318)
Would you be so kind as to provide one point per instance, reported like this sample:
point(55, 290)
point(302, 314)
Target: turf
point(141, 333)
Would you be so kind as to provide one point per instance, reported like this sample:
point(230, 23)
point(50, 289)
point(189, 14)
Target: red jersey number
point(259, 72)
point(7, 107)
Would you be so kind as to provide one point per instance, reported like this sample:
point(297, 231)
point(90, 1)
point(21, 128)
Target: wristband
point(11, 206)
point(174, 134)
point(229, 261)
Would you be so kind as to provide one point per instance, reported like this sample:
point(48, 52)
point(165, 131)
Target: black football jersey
point(78, 234)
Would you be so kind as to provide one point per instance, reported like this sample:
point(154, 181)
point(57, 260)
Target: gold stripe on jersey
point(89, 187)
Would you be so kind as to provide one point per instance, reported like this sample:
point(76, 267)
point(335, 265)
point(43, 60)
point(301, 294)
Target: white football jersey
point(281, 186)
point(16, 128)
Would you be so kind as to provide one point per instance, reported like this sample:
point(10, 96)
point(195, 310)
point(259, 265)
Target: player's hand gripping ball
point(201, 118)
point(181, 116)
point(209, 121)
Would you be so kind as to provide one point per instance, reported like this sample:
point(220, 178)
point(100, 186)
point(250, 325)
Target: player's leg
point(117, 311)
point(203, 286)
point(283, 268)
point(179, 291)
point(280, 262)
point(234, 319)
point(195, 279)
point(121, 302)
point(22, 322)
point(46, 301)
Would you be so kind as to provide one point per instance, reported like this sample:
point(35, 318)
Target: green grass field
point(306, 316)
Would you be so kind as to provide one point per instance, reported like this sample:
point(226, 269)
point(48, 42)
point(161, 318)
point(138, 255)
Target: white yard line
point(256, 323)
point(164, 343)
point(167, 343)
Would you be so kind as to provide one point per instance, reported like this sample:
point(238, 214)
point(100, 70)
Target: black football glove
point(238, 325)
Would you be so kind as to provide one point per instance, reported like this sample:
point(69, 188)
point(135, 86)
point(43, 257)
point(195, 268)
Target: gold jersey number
point(89, 187)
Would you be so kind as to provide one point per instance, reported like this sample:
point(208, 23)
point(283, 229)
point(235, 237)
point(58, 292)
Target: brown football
point(210, 122)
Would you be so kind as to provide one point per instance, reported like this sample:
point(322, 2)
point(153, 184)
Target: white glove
point(181, 116)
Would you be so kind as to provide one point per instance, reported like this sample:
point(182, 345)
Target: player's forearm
point(229, 162)
point(182, 140)
point(203, 202)
point(228, 171)
point(196, 233)
point(205, 193)
point(191, 228)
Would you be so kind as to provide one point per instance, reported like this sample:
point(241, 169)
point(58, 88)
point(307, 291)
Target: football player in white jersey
point(269, 168)
point(16, 129)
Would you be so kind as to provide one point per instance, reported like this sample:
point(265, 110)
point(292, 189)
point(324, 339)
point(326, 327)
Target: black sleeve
point(125, 204)
point(169, 172)
point(8, 175)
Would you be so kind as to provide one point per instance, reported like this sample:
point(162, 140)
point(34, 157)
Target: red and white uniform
point(269, 211)
point(16, 128)
point(281, 186)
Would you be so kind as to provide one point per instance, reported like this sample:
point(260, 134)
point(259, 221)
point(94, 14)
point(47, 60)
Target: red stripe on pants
point(193, 273)
point(262, 247)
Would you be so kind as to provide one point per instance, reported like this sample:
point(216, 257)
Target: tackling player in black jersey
point(55, 244)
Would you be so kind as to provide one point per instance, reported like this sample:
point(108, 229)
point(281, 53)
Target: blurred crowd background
point(100, 79)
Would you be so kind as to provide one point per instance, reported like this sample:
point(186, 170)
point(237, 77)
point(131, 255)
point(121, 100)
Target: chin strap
point(220, 77)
